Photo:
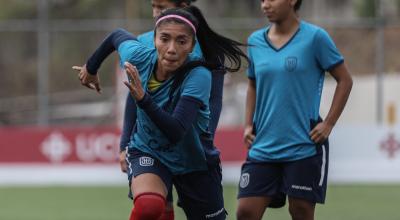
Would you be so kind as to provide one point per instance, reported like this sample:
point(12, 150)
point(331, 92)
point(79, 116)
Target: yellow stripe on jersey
point(153, 83)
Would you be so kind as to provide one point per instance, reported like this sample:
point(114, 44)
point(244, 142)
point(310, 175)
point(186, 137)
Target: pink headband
point(179, 18)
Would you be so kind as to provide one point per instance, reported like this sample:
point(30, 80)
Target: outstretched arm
point(88, 72)
point(344, 84)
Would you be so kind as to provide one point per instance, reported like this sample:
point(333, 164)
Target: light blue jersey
point(289, 83)
point(188, 154)
point(148, 40)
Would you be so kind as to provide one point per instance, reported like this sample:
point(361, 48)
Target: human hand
point(321, 132)
point(88, 80)
point(248, 136)
point(135, 84)
point(122, 161)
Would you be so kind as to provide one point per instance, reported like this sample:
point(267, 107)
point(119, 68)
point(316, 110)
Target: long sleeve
point(109, 45)
point(129, 122)
point(175, 125)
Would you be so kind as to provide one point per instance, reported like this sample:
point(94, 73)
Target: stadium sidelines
point(79, 175)
point(110, 175)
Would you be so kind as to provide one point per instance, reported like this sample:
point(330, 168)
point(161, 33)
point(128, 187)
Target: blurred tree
point(365, 8)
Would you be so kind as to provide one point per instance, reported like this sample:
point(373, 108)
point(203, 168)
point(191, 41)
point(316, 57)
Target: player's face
point(173, 42)
point(160, 5)
point(277, 10)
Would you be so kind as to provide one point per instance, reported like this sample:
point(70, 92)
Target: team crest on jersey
point(146, 161)
point(244, 180)
point(291, 63)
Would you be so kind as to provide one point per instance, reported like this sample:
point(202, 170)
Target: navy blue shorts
point(304, 179)
point(139, 163)
point(199, 193)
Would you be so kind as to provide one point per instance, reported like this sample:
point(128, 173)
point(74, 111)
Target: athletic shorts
point(200, 194)
point(303, 179)
point(139, 163)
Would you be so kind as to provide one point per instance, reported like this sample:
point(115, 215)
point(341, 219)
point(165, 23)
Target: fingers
point(77, 68)
point(249, 139)
point(89, 85)
point(129, 86)
point(132, 72)
point(97, 87)
point(317, 136)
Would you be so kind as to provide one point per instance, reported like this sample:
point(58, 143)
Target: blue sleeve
point(147, 39)
point(216, 98)
point(250, 70)
point(327, 55)
point(109, 45)
point(129, 122)
point(173, 126)
point(136, 53)
point(198, 85)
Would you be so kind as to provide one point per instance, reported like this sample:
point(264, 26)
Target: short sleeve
point(326, 52)
point(198, 85)
point(250, 70)
point(136, 53)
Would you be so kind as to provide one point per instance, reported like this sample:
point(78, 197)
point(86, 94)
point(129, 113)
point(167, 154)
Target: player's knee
point(244, 213)
point(301, 211)
point(148, 206)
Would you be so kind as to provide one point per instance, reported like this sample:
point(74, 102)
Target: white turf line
point(110, 175)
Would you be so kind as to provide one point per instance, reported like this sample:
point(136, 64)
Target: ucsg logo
point(87, 147)
point(391, 145)
point(56, 147)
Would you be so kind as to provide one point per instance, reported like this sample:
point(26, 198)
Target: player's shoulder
point(257, 35)
point(312, 29)
point(149, 34)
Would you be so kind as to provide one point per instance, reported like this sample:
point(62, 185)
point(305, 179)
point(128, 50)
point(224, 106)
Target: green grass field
point(344, 202)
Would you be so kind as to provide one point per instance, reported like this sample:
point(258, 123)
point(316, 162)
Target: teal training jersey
point(188, 154)
point(289, 83)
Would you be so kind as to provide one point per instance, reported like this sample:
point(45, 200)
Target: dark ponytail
point(216, 47)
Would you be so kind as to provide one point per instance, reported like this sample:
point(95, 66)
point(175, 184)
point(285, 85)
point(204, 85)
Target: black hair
point(297, 5)
point(215, 47)
point(180, 2)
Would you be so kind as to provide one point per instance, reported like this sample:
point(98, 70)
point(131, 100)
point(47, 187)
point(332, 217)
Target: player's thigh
point(260, 180)
point(201, 194)
point(147, 174)
point(252, 208)
point(306, 179)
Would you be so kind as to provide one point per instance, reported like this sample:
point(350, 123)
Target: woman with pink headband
point(172, 90)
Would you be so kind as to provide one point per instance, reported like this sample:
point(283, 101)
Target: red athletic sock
point(148, 206)
point(167, 215)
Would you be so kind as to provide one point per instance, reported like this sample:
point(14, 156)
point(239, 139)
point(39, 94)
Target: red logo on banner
point(391, 145)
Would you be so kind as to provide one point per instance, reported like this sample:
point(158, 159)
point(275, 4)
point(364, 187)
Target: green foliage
point(365, 8)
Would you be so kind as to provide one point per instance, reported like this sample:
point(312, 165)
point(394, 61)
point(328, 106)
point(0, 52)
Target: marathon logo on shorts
point(304, 188)
point(146, 161)
point(244, 180)
point(212, 215)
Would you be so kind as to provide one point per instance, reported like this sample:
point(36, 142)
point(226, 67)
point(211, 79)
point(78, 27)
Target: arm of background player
point(129, 122)
point(250, 108)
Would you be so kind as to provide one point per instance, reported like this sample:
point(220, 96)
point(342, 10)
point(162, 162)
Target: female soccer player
point(173, 114)
point(287, 154)
point(130, 106)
